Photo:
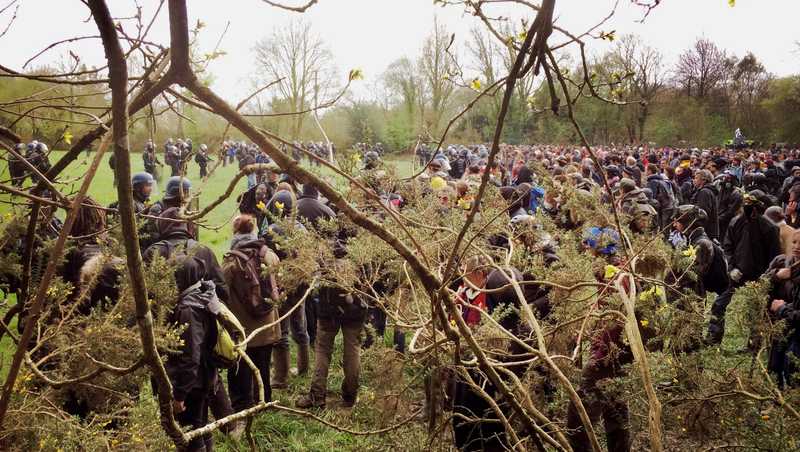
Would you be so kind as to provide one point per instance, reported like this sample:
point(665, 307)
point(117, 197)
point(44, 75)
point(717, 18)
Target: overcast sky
point(370, 34)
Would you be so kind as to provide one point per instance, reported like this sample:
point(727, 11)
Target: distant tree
point(644, 74)
point(297, 57)
point(749, 87)
point(437, 66)
point(702, 68)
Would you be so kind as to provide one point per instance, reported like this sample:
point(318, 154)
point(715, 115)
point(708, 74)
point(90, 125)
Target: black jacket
point(311, 210)
point(706, 198)
point(458, 167)
point(506, 297)
point(730, 201)
point(335, 303)
point(192, 369)
point(750, 245)
point(709, 276)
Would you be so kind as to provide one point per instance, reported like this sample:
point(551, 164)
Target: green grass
point(216, 230)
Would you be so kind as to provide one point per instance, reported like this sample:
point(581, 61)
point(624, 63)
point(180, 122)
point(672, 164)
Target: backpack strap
point(238, 254)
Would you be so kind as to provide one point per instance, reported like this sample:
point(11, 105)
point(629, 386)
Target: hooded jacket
point(191, 370)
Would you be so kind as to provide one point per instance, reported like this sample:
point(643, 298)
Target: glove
point(735, 275)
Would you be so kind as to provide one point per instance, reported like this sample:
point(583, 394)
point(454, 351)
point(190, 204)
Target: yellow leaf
point(356, 74)
point(261, 205)
point(731, 3)
point(644, 322)
point(610, 272)
point(476, 84)
point(437, 183)
point(67, 137)
point(690, 252)
point(523, 35)
point(279, 205)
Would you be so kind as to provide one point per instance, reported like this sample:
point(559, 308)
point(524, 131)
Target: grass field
point(216, 237)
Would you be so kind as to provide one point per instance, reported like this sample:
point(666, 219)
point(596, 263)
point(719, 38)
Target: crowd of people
point(736, 209)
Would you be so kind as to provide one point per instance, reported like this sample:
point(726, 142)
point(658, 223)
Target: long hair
point(90, 219)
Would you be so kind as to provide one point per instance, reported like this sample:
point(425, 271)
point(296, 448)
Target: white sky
point(370, 34)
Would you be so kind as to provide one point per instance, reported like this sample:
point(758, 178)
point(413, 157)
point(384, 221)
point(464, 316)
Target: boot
point(310, 401)
point(280, 356)
point(302, 359)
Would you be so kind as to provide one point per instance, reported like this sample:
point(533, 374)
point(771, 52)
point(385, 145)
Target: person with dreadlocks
point(87, 265)
point(751, 243)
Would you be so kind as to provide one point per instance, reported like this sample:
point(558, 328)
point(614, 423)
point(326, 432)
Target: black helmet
point(371, 159)
point(142, 179)
point(177, 185)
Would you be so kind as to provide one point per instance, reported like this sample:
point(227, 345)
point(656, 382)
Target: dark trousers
point(220, 404)
point(327, 329)
point(485, 432)
point(242, 383)
point(599, 404)
point(195, 416)
point(716, 325)
point(311, 318)
point(377, 318)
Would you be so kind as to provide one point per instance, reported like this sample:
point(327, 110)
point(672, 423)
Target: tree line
point(698, 101)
